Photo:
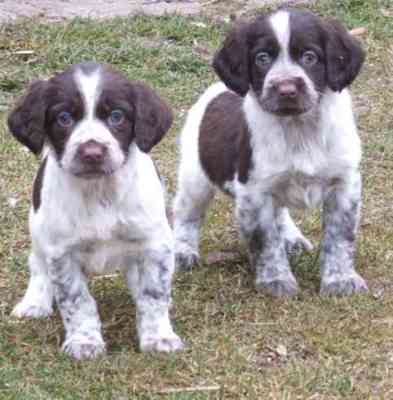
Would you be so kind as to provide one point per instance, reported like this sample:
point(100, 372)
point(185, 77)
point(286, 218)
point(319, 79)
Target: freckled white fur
point(303, 155)
point(317, 146)
point(89, 226)
point(297, 161)
point(297, 158)
point(99, 210)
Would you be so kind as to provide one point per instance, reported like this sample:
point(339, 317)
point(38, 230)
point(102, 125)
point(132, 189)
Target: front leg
point(153, 298)
point(266, 245)
point(38, 299)
point(78, 309)
point(341, 214)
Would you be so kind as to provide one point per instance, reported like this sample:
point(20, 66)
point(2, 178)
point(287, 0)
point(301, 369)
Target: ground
point(55, 10)
point(241, 344)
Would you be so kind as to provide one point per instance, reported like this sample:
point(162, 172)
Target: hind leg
point(257, 219)
point(132, 279)
point(38, 299)
point(192, 200)
point(295, 242)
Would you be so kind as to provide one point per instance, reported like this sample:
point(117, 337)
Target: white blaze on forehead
point(280, 25)
point(285, 66)
point(90, 89)
point(90, 127)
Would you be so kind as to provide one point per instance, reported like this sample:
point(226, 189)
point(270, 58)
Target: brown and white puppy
point(98, 203)
point(278, 132)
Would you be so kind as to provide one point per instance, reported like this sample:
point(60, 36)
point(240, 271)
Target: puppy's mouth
point(286, 108)
point(288, 97)
point(288, 111)
point(92, 172)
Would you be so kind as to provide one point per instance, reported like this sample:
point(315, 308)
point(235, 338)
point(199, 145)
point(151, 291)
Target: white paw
point(26, 309)
point(283, 285)
point(186, 256)
point(278, 288)
point(185, 261)
point(82, 347)
point(164, 344)
point(343, 285)
point(295, 242)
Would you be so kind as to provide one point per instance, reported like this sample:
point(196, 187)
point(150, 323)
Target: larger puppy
point(283, 136)
point(98, 203)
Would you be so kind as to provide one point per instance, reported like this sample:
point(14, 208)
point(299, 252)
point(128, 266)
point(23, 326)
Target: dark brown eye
point(116, 117)
point(65, 119)
point(309, 58)
point(263, 59)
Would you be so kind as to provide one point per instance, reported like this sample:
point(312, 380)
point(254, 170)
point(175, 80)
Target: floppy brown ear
point(344, 56)
point(153, 117)
point(27, 120)
point(231, 61)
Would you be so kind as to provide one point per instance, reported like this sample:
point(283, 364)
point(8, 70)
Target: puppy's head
point(288, 59)
point(89, 115)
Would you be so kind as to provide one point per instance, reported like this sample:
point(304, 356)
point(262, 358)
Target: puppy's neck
point(293, 130)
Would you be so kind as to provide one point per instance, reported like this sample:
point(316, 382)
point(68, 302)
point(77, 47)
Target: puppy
point(98, 204)
point(278, 132)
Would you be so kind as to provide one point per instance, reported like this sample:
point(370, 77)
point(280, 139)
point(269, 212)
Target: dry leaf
point(281, 350)
point(221, 256)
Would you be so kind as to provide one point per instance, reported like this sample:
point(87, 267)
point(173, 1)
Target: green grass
point(336, 348)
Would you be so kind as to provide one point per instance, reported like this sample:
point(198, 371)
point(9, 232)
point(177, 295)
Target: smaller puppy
point(278, 132)
point(98, 204)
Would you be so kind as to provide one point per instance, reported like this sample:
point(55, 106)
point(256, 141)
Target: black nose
point(289, 88)
point(92, 152)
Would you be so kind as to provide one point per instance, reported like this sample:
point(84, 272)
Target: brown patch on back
point(224, 140)
point(37, 186)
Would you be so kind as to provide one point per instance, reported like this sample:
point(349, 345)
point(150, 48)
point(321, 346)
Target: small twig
point(388, 321)
point(189, 389)
point(23, 52)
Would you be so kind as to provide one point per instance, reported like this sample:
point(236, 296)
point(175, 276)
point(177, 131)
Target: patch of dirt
point(57, 10)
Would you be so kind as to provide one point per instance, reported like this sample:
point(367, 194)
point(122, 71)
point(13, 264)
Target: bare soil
point(57, 10)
